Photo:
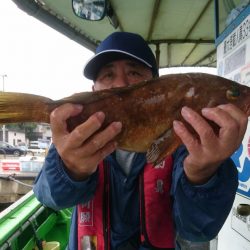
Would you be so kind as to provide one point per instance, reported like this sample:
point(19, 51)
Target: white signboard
point(233, 57)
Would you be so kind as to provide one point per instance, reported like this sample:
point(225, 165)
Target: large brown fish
point(146, 110)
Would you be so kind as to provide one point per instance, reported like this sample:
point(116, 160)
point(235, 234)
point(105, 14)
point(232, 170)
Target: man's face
point(121, 73)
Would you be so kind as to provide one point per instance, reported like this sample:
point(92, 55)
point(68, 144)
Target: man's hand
point(207, 152)
point(83, 148)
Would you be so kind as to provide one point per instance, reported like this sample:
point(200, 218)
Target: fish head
point(240, 96)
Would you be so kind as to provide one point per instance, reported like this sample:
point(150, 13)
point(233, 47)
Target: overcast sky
point(37, 59)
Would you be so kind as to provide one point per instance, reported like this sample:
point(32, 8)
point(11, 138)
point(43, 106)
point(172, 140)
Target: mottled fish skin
point(147, 110)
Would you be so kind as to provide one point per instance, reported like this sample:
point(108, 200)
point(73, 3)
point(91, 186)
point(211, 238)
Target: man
point(121, 201)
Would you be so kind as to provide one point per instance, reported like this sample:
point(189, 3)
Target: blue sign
point(242, 163)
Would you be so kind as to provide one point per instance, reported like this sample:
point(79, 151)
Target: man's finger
point(228, 121)
point(59, 116)
point(190, 141)
point(98, 156)
point(99, 141)
point(84, 131)
point(200, 125)
point(238, 115)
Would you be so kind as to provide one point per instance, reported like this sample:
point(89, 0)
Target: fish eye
point(233, 94)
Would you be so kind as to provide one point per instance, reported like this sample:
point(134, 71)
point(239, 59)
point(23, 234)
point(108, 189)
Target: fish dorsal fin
point(162, 147)
point(85, 97)
point(89, 97)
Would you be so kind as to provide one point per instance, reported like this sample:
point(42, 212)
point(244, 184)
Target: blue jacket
point(199, 211)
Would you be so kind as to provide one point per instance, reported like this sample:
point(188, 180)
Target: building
point(43, 129)
point(15, 136)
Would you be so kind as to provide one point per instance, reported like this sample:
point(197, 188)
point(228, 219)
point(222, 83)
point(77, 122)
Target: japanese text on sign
point(241, 33)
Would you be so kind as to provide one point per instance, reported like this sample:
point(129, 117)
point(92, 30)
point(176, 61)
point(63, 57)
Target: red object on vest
point(93, 217)
point(157, 227)
point(155, 210)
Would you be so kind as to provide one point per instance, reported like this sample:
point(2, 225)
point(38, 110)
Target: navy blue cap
point(120, 45)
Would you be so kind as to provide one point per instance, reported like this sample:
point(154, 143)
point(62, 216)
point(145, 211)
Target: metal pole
point(4, 139)
point(3, 76)
point(216, 19)
point(3, 127)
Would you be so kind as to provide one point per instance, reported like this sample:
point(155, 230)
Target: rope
point(38, 241)
point(12, 178)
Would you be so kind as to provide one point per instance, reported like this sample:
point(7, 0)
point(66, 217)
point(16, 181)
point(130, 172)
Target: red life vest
point(157, 228)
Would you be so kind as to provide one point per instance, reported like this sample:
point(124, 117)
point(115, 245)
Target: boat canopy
point(180, 32)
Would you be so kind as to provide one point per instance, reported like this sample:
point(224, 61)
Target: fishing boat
point(27, 225)
point(180, 33)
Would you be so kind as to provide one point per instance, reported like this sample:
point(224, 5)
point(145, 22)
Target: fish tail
point(20, 107)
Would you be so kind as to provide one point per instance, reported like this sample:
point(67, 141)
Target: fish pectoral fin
point(163, 146)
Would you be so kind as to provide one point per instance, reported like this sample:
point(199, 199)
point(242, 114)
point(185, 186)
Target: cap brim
point(93, 66)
